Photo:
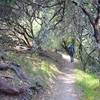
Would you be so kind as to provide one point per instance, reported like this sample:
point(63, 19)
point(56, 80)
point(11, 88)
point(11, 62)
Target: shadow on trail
point(60, 59)
point(64, 85)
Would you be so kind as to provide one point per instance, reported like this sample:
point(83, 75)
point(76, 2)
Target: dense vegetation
point(34, 26)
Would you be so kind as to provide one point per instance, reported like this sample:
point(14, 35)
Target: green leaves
point(7, 2)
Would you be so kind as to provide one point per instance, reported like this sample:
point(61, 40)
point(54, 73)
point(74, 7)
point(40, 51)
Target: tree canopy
point(43, 24)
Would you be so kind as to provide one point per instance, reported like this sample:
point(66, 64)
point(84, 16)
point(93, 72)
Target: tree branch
point(86, 13)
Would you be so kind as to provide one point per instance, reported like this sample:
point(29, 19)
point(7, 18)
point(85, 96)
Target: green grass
point(89, 84)
point(36, 68)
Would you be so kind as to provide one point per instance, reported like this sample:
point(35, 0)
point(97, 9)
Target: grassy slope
point(89, 84)
point(37, 68)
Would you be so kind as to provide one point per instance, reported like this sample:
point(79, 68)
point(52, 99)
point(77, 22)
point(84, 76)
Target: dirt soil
point(64, 85)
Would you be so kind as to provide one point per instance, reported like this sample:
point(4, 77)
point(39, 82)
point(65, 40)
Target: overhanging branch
point(86, 13)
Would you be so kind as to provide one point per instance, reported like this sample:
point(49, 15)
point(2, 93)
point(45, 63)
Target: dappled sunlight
point(67, 57)
point(68, 79)
point(60, 79)
point(87, 80)
point(64, 88)
point(89, 83)
point(48, 40)
point(36, 68)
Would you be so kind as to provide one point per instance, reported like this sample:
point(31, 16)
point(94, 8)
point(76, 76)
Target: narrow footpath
point(64, 85)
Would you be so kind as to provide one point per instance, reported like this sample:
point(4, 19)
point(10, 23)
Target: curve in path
point(64, 85)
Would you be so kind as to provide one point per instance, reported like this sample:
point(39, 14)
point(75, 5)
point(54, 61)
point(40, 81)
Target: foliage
point(88, 51)
point(7, 1)
point(26, 16)
point(38, 69)
point(44, 24)
point(89, 84)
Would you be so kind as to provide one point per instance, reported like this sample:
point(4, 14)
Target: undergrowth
point(89, 84)
point(38, 69)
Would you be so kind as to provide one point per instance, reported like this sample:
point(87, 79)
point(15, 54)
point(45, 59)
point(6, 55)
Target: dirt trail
point(64, 85)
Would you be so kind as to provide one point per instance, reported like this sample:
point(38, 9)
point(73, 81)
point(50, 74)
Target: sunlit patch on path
point(67, 57)
point(64, 86)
